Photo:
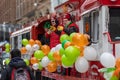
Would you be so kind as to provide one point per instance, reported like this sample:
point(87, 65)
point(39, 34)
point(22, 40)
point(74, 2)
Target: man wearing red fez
point(69, 26)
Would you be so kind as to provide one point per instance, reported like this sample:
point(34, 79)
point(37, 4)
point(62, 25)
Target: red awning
point(110, 2)
point(68, 6)
point(89, 5)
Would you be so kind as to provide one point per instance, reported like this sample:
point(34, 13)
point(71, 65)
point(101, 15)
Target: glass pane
point(114, 24)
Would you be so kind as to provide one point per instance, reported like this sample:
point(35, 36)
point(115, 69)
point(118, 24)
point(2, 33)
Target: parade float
point(97, 61)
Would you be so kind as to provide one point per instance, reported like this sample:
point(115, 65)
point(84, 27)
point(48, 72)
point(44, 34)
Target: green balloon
point(39, 54)
point(50, 56)
point(27, 62)
point(7, 45)
point(64, 37)
point(25, 42)
point(40, 66)
point(7, 61)
point(71, 35)
point(67, 62)
point(114, 78)
point(7, 50)
point(61, 51)
point(63, 43)
point(72, 52)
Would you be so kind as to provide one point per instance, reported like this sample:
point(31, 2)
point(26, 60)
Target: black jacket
point(15, 63)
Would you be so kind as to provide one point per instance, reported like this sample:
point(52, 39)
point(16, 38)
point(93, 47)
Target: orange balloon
point(38, 42)
point(67, 44)
point(52, 67)
point(57, 56)
point(59, 63)
point(45, 49)
point(79, 39)
point(33, 60)
point(117, 63)
point(23, 50)
point(116, 72)
point(31, 42)
point(81, 48)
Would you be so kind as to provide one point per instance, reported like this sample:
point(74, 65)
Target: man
point(16, 62)
point(69, 26)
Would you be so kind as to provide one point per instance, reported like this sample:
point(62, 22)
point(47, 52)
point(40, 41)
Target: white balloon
point(107, 60)
point(90, 53)
point(53, 49)
point(35, 66)
point(81, 65)
point(45, 60)
point(35, 47)
point(28, 47)
point(57, 48)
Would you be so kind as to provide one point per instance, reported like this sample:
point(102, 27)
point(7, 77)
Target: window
point(26, 35)
point(114, 24)
point(91, 27)
point(15, 42)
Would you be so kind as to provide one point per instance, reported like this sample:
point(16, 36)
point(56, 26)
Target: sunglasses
point(52, 21)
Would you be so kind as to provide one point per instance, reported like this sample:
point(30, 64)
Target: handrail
point(109, 39)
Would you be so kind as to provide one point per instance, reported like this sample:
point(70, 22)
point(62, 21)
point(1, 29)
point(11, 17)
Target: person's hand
point(49, 31)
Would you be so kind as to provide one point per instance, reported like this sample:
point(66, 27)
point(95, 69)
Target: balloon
point(39, 54)
point(57, 56)
point(25, 42)
point(53, 49)
point(61, 51)
point(27, 62)
point(64, 37)
point(67, 62)
point(67, 44)
point(52, 67)
point(90, 53)
point(45, 60)
point(79, 39)
point(35, 47)
point(72, 52)
point(81, 65)
point(63, 43)
point(45, 49)
point(7, 45)
point(23, 50)
point(40, 66)
point(117, 72)
point(28, 47)
point(117, 63)
point(108, 76)
point(31, 42)
point(107, 60)
point(7, 61)
point(57, 48)
point(38, 42)
point(71, 35)
point(50, 56)
point(114, 78)
point(33, 60)
point(35, 66)
point(7, 50)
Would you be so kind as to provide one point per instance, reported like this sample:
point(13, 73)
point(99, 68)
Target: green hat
point(47, 25)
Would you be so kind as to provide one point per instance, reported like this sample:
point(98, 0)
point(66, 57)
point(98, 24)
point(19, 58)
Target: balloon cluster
point(73, 51)
point(112, 66)
point(7, 47)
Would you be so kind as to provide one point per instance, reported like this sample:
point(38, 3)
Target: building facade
point(16, 13)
